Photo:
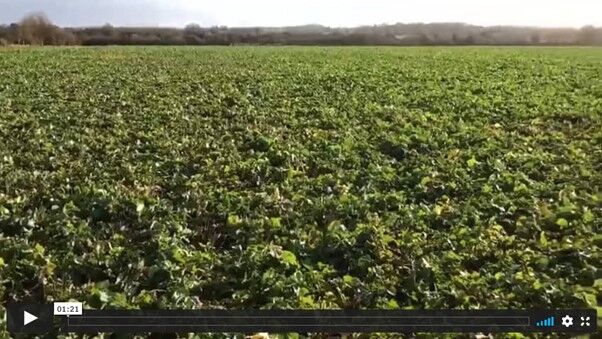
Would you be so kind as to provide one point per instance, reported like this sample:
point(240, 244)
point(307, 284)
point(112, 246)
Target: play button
point(28, 318)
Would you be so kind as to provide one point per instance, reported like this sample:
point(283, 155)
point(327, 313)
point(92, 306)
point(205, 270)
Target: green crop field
point(301, 177)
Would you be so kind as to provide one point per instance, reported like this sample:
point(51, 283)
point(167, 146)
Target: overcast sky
point(178, 13)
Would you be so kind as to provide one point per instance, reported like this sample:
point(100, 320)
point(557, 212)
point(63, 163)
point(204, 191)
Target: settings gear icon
point(567, 321)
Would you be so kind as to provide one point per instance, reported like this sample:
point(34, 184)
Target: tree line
point(37, 29)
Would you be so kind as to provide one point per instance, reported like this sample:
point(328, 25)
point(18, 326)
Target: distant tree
point(5, 35)
point(3, 31)
point(214, 29)
point(587, 35)
point(12, 33)
point(33, 29)
point(37, 29)
point(193, 28)
point(455, 39)
point(193, 34)
point(535, 38)
point(469, 40)
point(108, 30)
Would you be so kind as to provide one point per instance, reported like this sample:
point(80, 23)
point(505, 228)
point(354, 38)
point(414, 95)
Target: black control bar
point(328, 321)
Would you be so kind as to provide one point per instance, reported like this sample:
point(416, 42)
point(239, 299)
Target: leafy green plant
point(301, 177)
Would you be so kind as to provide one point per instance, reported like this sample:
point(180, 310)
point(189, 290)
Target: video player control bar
point(316, 321)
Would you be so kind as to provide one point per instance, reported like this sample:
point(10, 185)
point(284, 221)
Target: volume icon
point(547, 322)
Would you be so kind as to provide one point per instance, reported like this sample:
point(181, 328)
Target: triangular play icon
point(28, 317)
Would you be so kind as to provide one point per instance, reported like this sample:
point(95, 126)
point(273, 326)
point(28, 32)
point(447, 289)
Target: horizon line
point(325, 26)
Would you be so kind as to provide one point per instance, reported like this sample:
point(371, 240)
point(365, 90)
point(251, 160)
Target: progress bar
point(330, 321)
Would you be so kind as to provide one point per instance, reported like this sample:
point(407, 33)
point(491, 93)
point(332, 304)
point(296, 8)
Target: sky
point(336, 13)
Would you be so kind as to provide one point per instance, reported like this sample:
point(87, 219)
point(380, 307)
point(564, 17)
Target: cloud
point(298, 12)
